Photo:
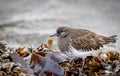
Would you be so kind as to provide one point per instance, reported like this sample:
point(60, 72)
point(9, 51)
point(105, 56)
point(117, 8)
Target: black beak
point(56, 34)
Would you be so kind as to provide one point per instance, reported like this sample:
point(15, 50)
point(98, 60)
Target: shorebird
point(81, 39)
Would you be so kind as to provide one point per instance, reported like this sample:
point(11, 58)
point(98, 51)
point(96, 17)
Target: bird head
point(61, 32)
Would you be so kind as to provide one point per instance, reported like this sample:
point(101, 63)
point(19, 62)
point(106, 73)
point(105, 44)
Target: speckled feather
point(81, 39)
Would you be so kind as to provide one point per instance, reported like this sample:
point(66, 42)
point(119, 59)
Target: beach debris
point(42, 61)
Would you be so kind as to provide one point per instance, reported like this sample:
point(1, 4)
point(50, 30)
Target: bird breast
point(63, 44)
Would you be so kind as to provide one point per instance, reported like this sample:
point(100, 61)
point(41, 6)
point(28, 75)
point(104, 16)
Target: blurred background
point(30, 22)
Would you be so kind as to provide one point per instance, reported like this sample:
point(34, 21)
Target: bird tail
point(110, 39)
point(113, 38)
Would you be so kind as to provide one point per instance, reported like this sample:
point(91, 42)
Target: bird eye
point(62, 33)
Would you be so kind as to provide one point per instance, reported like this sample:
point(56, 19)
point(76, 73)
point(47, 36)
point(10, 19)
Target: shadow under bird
point(81, 39)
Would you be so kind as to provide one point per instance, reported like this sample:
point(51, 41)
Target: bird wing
point(86, 42)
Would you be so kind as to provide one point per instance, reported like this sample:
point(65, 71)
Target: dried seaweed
point(39, 62)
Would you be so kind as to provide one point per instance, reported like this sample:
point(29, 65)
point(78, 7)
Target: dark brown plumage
point(80, 39)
